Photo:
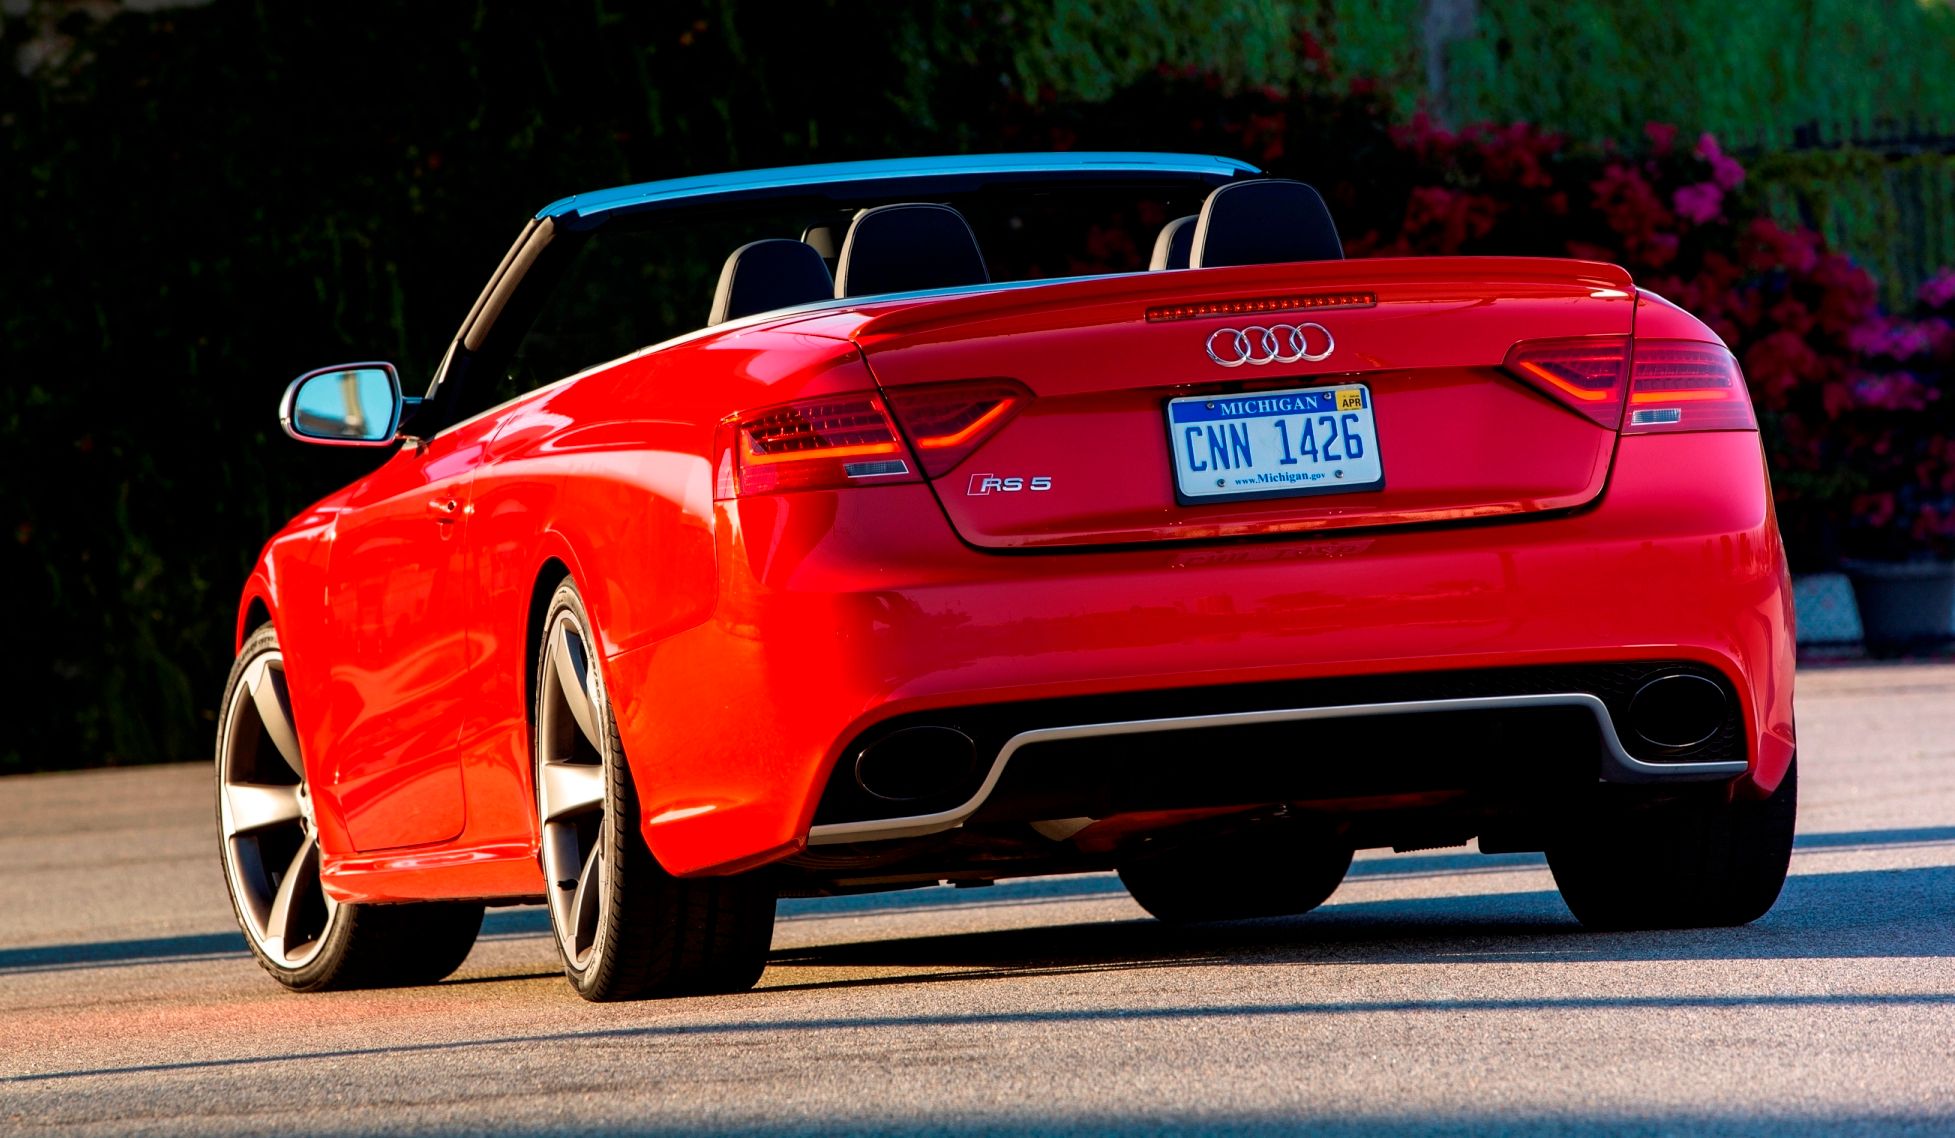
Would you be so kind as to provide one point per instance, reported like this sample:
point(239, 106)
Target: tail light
point(1587, 374)
point(842, 440)
point(946, 422)
point(1683, 385)
point(1668, 385)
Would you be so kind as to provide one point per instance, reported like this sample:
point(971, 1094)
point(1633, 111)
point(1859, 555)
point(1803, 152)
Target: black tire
point(1271, 869)
point(1700, 862)
point(388, 946)
point(654, 934)
point(356, 946)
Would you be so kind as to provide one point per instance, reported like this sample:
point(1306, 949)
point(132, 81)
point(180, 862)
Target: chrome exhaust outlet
point(1678, 711)
point(916, 763)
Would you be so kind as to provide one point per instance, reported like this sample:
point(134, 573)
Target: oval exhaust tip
point(1678, 711)
point(916, 763)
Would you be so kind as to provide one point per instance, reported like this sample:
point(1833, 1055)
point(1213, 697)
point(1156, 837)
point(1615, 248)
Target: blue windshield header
point(847, 181)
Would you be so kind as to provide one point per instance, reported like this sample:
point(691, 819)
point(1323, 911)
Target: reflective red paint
point(746, 638)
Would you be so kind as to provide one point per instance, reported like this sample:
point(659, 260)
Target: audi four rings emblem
point(1276, 344)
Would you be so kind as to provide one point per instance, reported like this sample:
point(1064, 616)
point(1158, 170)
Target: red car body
point(750, 641)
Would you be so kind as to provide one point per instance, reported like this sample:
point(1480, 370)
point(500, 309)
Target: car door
point(398, 599)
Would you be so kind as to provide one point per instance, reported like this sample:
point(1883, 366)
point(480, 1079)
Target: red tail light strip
point(1586, 373)
point(833, 429)
point(946, 422)
point(1256, 306)
point(1681, 385)
point(1668, 385)
point(843, 440)
point(852, 440)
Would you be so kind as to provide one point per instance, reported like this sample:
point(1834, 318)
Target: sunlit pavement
point(1438, 992)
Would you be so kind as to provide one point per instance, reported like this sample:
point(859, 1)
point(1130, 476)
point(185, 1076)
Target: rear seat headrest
point(1264, 222)
point(1176, 240)
point(907, 247)
point(762, 276)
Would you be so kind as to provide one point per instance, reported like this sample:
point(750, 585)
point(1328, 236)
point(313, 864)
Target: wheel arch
point(543, 585)
point(254, 610)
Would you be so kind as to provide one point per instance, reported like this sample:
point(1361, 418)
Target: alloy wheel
point(271, 843)
point(572, 742)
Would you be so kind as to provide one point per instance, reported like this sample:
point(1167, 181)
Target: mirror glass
point(355, 404)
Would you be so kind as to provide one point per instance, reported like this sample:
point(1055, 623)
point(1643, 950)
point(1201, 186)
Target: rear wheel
point(1270, 869)
point(1701, 862)
point(270, 847)
point(625, 928)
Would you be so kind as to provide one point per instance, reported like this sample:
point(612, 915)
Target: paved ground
point(1437, 993)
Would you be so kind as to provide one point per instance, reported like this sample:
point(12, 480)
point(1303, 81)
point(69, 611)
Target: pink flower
point(1633, 209)
point(1662, 136)
point(1770, 247)
point(1849, 295)
point(1895, 339)
point(1890, 391)
point(1780, 361)
point(1725, 171)
point(1792, 316)
point(1701, 203)
point(1937, 291)
point(1440, 220)
point(1867, 336)
point(1874, 509)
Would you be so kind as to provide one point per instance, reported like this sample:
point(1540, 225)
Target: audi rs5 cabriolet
point(875, 525)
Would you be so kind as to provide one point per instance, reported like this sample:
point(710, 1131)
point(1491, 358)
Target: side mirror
point(350, 405)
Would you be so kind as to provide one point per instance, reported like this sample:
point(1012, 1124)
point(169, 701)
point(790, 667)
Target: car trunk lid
point(1089, 459)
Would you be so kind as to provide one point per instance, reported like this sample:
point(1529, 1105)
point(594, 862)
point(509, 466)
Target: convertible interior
point(920, 246)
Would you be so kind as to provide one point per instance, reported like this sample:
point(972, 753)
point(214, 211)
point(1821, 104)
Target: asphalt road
point(1443, 992)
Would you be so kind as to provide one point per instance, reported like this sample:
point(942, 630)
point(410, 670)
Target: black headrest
point(1265, 222)
point(762, 276)
point(906, 247)
point(1176, 240)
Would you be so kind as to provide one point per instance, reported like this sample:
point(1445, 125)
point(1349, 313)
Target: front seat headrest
point(1264, 222)
point(1175, 242)
point(908, 247)
point(762, 276)
point(825, 238)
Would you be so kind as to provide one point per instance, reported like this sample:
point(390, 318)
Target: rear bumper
point(842, 611)
point(1374, 739)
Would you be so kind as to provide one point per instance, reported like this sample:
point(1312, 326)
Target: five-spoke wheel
point(270, 840)
point(264, 811)
point(570, 785)
point(625, 928)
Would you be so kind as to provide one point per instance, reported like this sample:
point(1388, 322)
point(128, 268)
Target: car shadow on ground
point(1856, 914)
point(1863, 913)
point(1850, 914)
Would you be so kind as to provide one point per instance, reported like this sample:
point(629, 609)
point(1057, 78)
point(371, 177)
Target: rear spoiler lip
point(919, 314)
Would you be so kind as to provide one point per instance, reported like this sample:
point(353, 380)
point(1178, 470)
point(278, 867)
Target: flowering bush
point(1901, 410)
point(1855, 404)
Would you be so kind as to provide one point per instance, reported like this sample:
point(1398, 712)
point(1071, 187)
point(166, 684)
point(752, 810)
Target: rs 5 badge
point(982, 484)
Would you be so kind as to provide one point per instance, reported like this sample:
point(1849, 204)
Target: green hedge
point(203, 202)
point(1891, 213)
point(1854, 83)
point(1753, 74)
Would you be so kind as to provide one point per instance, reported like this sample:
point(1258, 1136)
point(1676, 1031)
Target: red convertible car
point(851, 527)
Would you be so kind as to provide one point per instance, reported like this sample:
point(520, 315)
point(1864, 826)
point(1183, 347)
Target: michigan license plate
point(1272, 444)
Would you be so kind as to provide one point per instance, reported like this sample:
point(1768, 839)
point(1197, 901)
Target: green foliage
point(204, 202)
point(1092, 48)
point(1753, 74)
point(1892, 213)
